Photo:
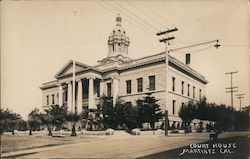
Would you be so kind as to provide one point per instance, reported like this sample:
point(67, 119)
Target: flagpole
point(74, 71)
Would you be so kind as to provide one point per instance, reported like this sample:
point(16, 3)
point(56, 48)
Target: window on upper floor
point(182, 87)
point(128, 86)
point(188, 92)
point(151, 83)
point(173, 110)
point(109, 89)
point(139, 85)
point(53, 99)
point(47, 99)
point(173, 84)
point(193, 92)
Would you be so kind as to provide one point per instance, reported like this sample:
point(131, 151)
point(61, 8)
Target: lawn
point(236, 147)
point(24, 141)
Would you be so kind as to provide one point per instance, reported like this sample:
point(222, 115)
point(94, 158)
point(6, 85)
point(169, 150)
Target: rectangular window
point(173, 107)
point(173, 84)
point(182, 104)
point(139, 85)
point(200, 94)
point(53, 99)
point(182, 87)
point(128, 86)
point(193, 92)
point(65, 96)
point(188, 90)
point(151, 83)
point(109, 89)
point(98, 89)
point(47, 100)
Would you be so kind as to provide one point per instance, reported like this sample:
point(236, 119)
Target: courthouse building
point(118, 75)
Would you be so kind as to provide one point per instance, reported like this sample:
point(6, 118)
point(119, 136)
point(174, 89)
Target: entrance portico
point(89, 87)
point(85, 89)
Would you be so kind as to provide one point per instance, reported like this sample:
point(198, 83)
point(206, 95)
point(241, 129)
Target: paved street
point(121, 146)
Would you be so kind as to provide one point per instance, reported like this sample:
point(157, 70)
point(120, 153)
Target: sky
point(39, 37)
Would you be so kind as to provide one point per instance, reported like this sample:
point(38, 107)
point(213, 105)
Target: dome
point(118, 44)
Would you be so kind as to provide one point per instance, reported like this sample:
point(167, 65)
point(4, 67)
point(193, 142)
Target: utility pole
point(232, 88)
point(240, 96)
point(165, 40)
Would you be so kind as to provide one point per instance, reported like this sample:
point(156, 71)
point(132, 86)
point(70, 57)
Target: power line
point(133, 18)
point(235, 45)
point(147, 15)
point(136, 16)
point(194, 51)
point(216, 45)
point(130, 21)
point(165, 20)
point(154, 19)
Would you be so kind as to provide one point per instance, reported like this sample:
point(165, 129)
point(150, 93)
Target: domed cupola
point(118, 44)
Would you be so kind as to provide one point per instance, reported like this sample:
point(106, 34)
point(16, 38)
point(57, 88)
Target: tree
point(130, 116)
point(34, 120)
point(125, 115)
point(121, 116)
point(187, 113)
point(73, 118)
point(107, 110)
point(202, 110)
point(54, 117)
point(9, 121)
point(57, 114)
point(148, 110)
point(47, 120)
point(14, 120)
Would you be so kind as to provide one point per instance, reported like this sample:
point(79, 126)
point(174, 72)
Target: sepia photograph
point(146, 79)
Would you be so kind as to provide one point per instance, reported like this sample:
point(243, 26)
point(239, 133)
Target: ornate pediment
point(68, 68)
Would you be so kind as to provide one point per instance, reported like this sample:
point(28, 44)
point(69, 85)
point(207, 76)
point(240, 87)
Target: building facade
point(117, 75)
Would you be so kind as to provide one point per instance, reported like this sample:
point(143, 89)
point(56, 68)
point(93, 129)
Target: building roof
point(173, 62)
point(120, 67)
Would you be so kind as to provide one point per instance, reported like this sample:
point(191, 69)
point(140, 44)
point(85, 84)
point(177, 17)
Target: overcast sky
point(39, 37)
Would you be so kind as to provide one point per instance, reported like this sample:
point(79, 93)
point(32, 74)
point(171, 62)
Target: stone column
point(79, 96)
point(115, 89)
point(91, 93)
point(101, 88)
point(69, 96)
point(60, 94)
